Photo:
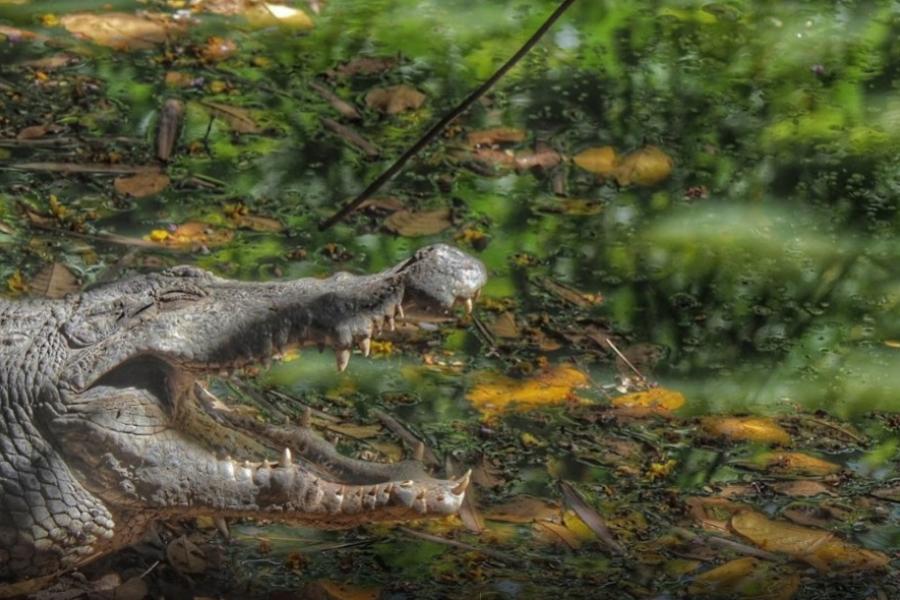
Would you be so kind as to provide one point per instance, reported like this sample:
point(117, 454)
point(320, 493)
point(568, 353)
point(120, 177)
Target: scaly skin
point(104, 426)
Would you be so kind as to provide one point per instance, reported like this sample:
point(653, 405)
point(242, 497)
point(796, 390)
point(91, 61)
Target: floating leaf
point(524, 509)
point(142, 184)
point(713, 514)
point(602, 161)
point(821, 549)
point(724, 577)
point(795, 463)
point(659, 398)
point(185, 557)
point(750, 429)
point(545, 158)
point(505, 326)
point(395, 99)
point(192, 234)
point(414, 224)
point(238, 119)
point(495, 393)
point(267, 15)
point(340, 591)
point(803, 488)
point(647, 166)
point(497, 135)
point(122, 31)
point(54, 281)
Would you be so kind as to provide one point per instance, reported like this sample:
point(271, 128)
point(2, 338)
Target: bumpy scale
point(105, 425)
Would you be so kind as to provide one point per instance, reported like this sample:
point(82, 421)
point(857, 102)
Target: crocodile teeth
point(222, 526)
point(376, 325)
point(306, 418)
point(286, 459)
point(400, 311)
point(419, 452)
point(469, 306)
point(228, 468)
point(462, 484)
point(365, 345)
point(390, 323)
point(343, 359)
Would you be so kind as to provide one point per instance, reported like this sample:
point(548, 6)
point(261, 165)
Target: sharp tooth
point(376, 325)
point(469, 306)
point(400, 311)
point(222, 526)
point(462, 483)
point(478, 293)
point(419, 452)
point(306, 418)
point(343, 359)
point(228, 468)
point(407, 484)
point(390, 323)
point(365, 345)
point(286, 459)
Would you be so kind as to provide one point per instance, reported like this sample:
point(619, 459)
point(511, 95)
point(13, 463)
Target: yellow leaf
point(647, 166)
point(724, 576)
point(266, 15)
point(750, 429)
point(796, 463)
point(819, 548)
point(192, 234)
point(653, 398)
point(602, 161)
point(16, 283)
point(158, 235)
point(346, 591)
point(495, 393)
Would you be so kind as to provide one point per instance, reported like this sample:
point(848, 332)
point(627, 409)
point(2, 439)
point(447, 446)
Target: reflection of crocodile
point(104, 427)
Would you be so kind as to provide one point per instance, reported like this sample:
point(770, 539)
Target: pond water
point(716, 194)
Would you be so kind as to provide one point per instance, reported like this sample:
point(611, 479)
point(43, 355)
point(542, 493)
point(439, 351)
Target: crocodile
point(106, 425)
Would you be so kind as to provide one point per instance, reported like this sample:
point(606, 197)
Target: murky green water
point(760, 277)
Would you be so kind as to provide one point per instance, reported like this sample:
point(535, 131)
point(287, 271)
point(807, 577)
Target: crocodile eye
point(173, 299)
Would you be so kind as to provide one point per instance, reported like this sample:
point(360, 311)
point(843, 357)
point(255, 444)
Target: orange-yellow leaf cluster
point(494, 393)
point(646, 166)
point(658, 398)
point(749, 429)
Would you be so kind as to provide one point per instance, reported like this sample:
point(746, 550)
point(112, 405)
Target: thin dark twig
point(446, 120)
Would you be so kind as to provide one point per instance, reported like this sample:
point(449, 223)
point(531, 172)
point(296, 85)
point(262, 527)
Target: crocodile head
point(135, 436)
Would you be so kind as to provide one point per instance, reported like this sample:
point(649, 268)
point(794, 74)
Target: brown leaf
point(123, 31)
point(185, 557)
point(713, 514)
point(54, 281)
point(331, 590)
point(258, 223)
point(505, 326)
point(142, 185)
point(32, 133)
point(364, 65)
point(545, 158)
point(395, 99)
point(415, 224)
point(819, 548)
point(497, 135)
point(217, 49)
point(590, 516)
point(238, 119)
point(170, 119)
point(803, 488)
point(524, 509)
point(570, 294)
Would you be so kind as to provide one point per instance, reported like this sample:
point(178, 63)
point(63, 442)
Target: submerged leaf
point(495, 393)
point(238, 119)
point(414, 224)
point(54, 281)
point(817, 547)
point(602, 161)
point(750, 429)
point(122, 31)
point(395, 99)
point(647, 166)
point(795, 463)
point(658, 397)
point(142, 184)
